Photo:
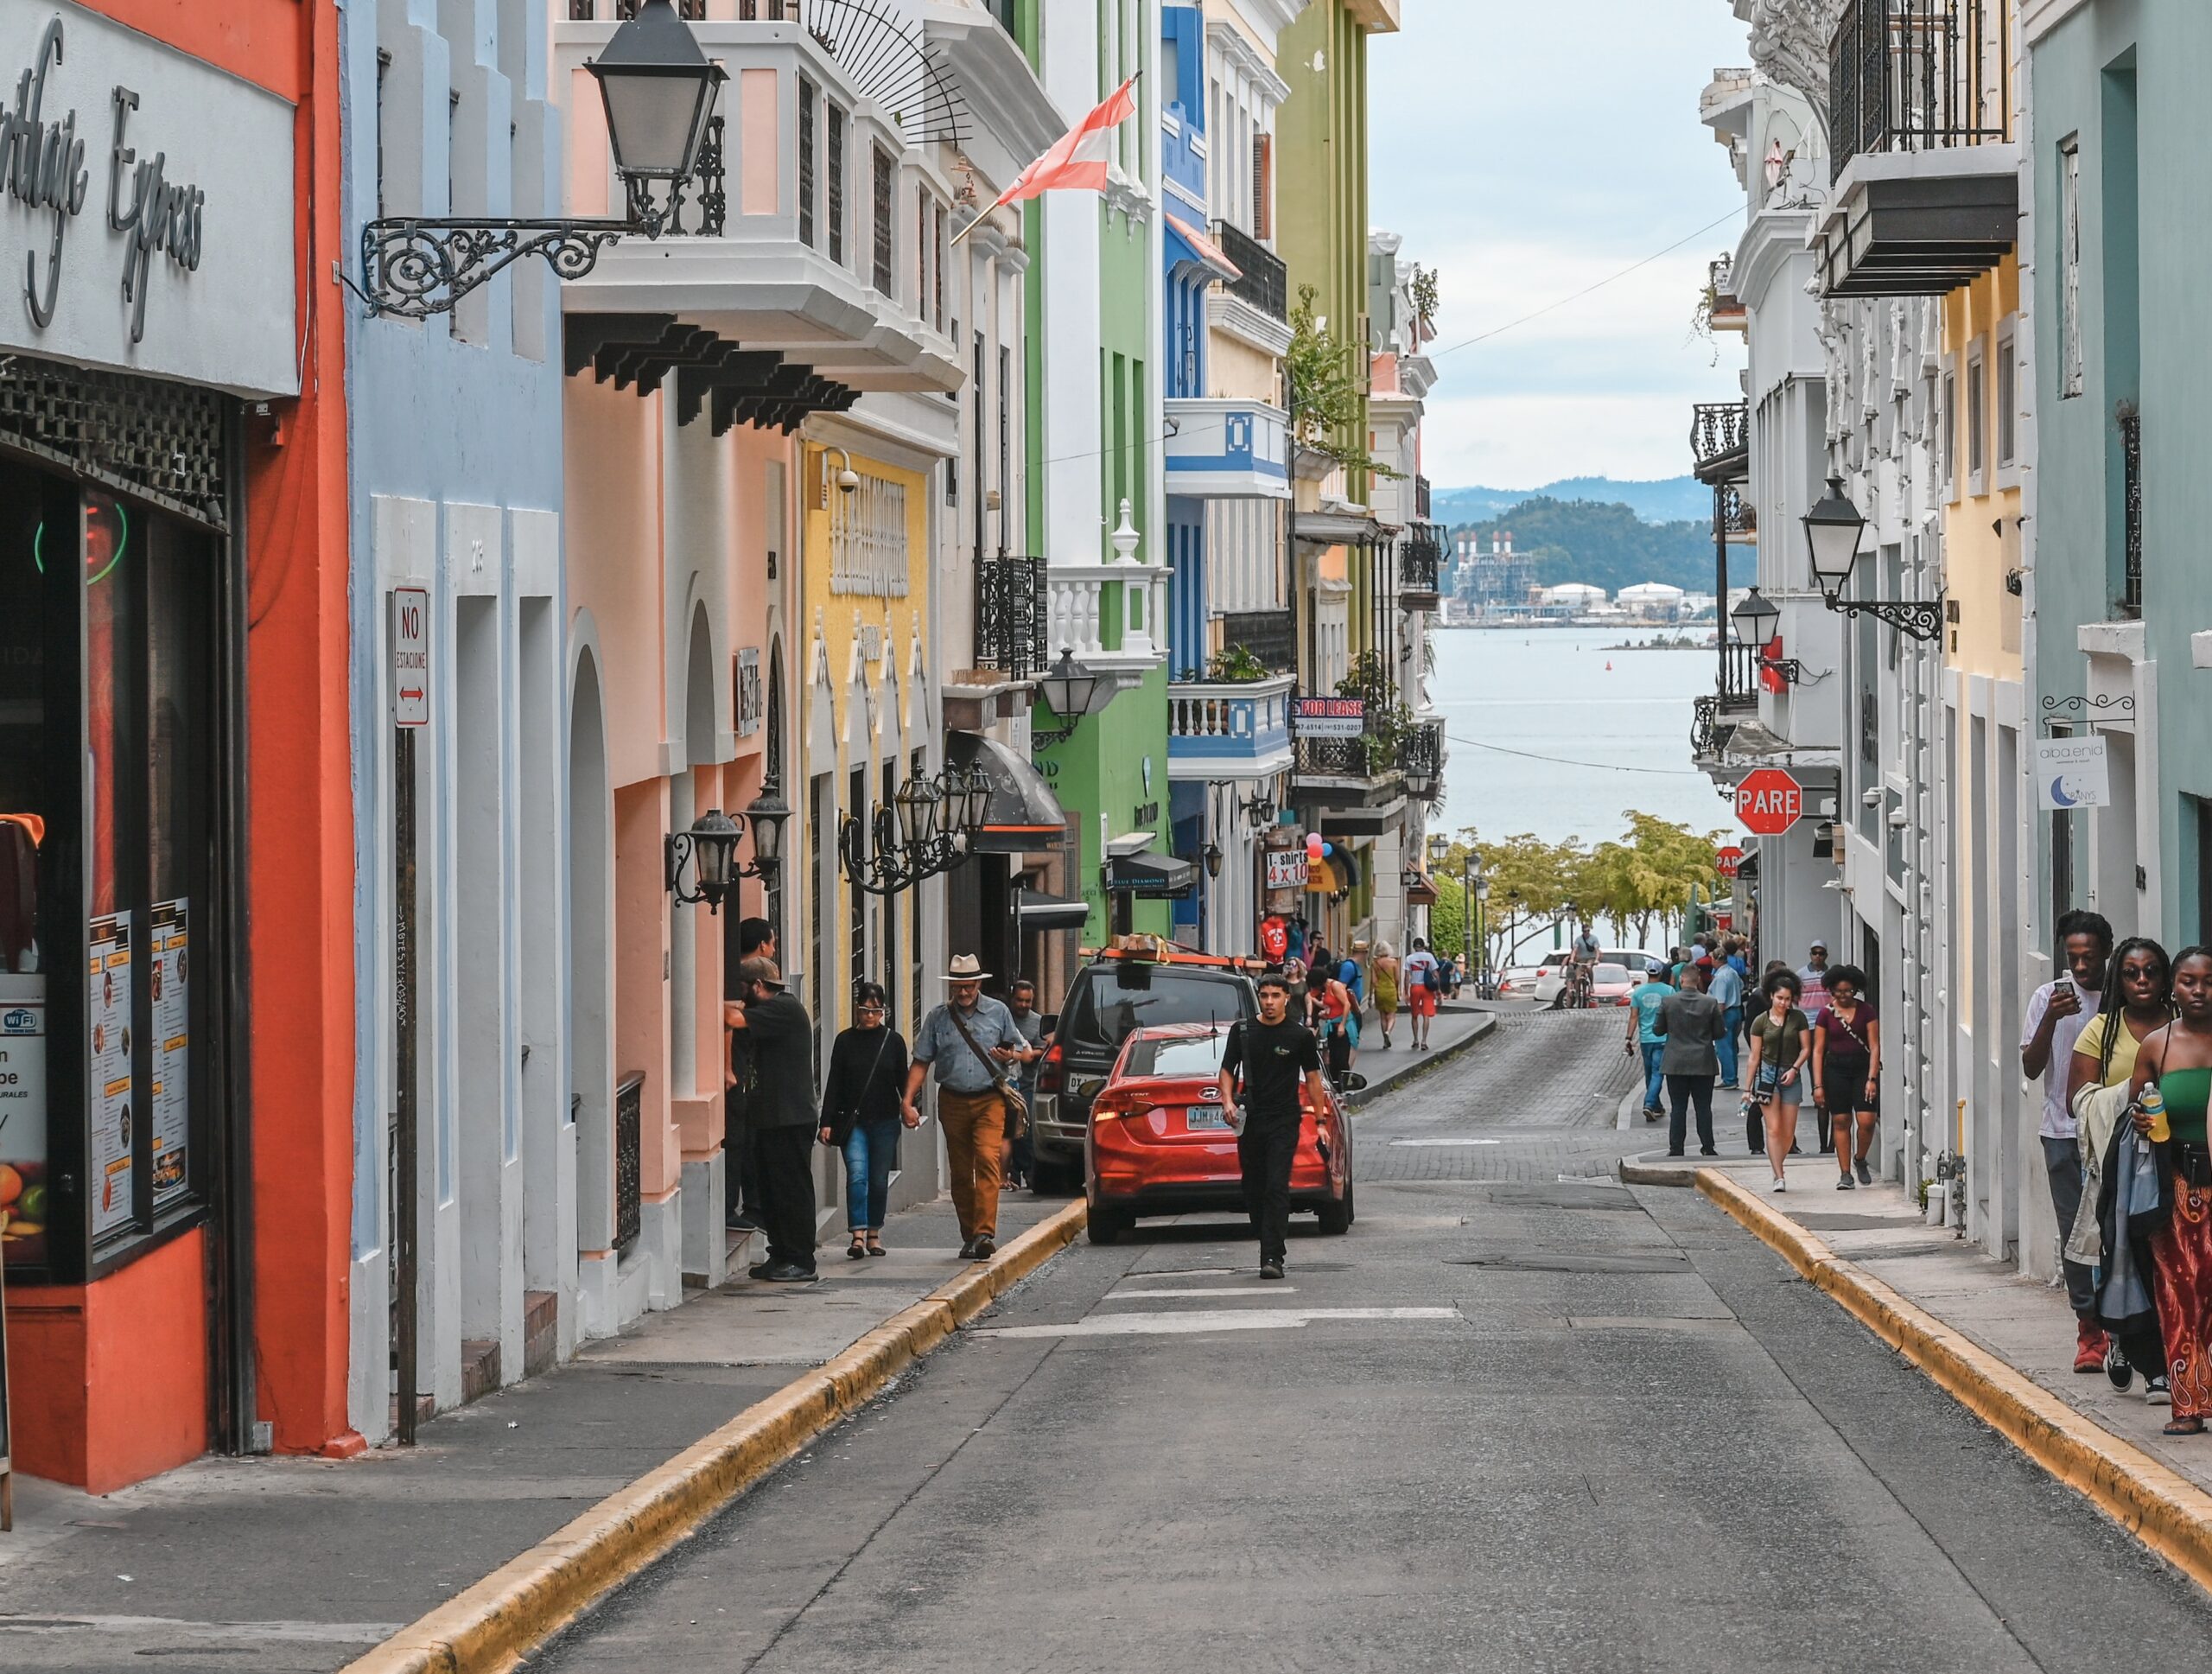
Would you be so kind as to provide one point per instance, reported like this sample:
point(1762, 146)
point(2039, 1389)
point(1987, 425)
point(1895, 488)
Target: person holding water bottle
point(2172, 1088)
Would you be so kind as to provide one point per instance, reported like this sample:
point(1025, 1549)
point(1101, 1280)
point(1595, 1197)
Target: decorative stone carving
point(1790, 44)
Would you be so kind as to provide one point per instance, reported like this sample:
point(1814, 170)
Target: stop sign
point(1726, 860)
point(1770, 802)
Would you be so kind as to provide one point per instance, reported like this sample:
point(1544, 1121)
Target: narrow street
point(1521, 1418)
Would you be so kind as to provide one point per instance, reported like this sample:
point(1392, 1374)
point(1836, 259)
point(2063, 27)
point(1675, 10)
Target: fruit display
point(22, 1213)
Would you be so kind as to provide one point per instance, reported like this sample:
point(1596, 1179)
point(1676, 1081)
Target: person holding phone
point(2058, 1012)
point(1276, 1058)
point(1781, 1042)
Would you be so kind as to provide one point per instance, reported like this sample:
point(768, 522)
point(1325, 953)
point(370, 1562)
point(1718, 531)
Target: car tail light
point(1050, 1070)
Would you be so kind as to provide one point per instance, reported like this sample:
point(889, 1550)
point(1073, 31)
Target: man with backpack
point(1424, 978)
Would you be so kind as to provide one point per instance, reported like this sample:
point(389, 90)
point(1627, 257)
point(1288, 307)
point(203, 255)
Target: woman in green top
point(2179, 1057)
point(1781, 1042)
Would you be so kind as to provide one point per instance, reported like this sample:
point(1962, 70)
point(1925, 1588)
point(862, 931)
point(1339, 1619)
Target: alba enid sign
point(145, 205)
point(1770, 802)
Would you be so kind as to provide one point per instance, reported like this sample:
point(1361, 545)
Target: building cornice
point(1233, 316)
point(1789, 45)
point(2039, 17)
point(1240, 54)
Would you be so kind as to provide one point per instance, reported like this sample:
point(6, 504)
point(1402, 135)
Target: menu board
point(107, 1010)
point(22, 1120)
point(172, 1109)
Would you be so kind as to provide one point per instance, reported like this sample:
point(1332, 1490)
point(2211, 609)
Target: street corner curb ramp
point(494, 1624)
point(2159, 1506)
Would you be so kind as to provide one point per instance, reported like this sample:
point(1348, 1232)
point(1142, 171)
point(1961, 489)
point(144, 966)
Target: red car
point(1159, 1144)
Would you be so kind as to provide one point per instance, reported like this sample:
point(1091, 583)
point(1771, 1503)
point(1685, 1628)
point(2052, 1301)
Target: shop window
point(108, 753)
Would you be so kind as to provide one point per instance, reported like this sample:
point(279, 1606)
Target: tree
point(1327, 380)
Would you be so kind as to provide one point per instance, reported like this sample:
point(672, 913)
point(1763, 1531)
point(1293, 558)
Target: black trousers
point(1683, 1090)
point(787, 1193)
point(740, 1158)
point(1265, 1151)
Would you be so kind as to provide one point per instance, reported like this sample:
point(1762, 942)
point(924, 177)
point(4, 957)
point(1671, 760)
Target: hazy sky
point(1526, 150)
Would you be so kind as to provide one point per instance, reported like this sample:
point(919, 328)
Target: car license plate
point(1202, 1118)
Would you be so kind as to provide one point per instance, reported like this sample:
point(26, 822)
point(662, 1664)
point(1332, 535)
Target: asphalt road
point(1512, 1421)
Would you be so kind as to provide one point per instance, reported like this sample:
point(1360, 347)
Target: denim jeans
point(2062, 1163)
point(1653, 1050)
point(870, 1150)
point(1732, 1024)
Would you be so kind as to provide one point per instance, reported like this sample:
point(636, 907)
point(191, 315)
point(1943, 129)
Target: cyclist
point(1582, 965)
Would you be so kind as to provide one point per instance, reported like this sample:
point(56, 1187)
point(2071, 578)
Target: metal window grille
point(807, 96)
point(883, 276)
point(629, 1159)
point(835, 133)
point(2131, 457)
point(868, 540)
point(2070, 357)
point(1010, 616)
point(1266, 281)
point(162, 443)
point(1917, 75)
point(936, 267)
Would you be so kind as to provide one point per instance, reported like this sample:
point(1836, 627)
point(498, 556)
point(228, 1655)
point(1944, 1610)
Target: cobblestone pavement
point(1535, 1100)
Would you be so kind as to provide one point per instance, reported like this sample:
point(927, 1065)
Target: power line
point(1565, 762)
point(1499, 331)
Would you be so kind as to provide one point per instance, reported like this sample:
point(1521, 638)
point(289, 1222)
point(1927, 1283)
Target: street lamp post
point(1835, 532)
point(1755, 619)
point(658, 89)
point(709, 849)
point(924, 831)
point(1072, 692)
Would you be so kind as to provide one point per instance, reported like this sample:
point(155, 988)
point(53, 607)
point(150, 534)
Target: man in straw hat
point(972, 1042)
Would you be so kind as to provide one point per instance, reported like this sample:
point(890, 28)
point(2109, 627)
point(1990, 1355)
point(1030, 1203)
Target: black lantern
point(711, 846)
point(659, 89)
point(1755, 619)
point(766, 815)
point(1440, 848)
point(923, 832)
point(978, 794)
point(1072, 692)
point(1211, 856)
point(1834, 532)
point(916, 803)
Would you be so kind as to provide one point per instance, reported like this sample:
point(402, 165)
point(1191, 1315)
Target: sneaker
point(1674, 1154)
point(2155, 1393)
point(741, 1222)
point(790, 1273)
point(1845, 1183)
point(2089, 1345)
point(1779, 1186)
point(1706, 1150)
point(1270, 1269)
point(2116, 1366)
point(986, 1247)
point(1650, 1115)
point(1866, 1173)
point(761, 1270)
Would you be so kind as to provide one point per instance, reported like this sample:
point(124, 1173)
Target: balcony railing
point(2130, 456)
point(1265, 284)
point(1226, 725)
point(1270, 635)
point(1420, 565)
point(1740, 685)
point(1720, 439)
point(1010, 611)
point(629, 1158)
point(1421, 753)
point(1333, 758)
point(1916, 75)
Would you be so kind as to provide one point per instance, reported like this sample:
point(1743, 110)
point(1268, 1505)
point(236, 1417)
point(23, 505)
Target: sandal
point(875, 1245)
point(2185, 1427)
point(858, 1248)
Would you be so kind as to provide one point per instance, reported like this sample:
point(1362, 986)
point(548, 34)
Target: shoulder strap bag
point(858, 1098)
point(1017, 1113)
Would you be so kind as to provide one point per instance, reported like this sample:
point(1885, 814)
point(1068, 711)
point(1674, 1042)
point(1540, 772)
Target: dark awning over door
point(1154, 876)
point(1042, 912)
point(1024, 813)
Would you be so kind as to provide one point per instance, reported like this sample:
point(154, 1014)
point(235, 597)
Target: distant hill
point(1671, 501)
point(1609, 545)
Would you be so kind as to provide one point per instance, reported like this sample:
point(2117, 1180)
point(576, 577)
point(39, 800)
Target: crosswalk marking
point(1216, 1319)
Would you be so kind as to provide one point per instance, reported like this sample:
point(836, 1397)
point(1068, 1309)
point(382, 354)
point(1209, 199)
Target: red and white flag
point(1077, 161)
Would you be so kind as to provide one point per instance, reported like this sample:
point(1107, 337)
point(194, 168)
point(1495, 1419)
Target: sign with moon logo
point(2070, 774)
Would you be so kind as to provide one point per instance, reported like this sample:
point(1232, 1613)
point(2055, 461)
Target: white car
point(1520, 982)
point(1551, 979)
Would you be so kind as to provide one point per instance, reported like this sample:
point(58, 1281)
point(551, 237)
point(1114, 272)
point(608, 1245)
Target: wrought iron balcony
point(1270, 636)
point(1721, 441)
point(1421, 756)
point(1740, 686)
point(1340, 759)
point(1926, 175)
point(2131, 455)
point(1420, 565)
point(1265, 282)
point(1010, 615)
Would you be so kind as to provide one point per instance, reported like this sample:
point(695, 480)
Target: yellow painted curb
point(2155, 1504)
point(524, 1602)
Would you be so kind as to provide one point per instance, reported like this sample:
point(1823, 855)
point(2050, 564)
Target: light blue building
point(456, 469)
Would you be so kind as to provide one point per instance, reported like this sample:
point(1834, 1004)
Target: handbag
point(1017, 1112)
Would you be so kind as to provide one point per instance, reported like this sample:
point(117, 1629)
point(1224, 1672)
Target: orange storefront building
point(176, 853)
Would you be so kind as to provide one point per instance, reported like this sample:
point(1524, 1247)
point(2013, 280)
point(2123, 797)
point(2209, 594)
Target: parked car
point(1519, 982)
point(1636, 961)
point(1139, 981)
point(1159, 1142)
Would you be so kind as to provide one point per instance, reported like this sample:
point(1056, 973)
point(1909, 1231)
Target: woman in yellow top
point(1382, 976)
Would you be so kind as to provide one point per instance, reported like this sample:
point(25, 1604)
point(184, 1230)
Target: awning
point(1198, 250)
point(1421, 892)
point(1154, 876)
point(1024, 814)
point(1042, 912)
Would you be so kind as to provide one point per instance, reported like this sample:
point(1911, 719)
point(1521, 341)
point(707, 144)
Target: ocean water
point(1552, 732)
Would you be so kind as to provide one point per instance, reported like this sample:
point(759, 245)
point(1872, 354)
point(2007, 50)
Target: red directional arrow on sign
point(1770, 802)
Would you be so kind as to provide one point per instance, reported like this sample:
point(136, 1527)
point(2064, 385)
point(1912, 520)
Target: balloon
point(1314, 847)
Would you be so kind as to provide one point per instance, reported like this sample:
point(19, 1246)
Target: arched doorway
point(591, 963)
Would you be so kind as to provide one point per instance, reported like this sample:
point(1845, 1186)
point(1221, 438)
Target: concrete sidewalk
point(204, 1567)
point(2024, 1322)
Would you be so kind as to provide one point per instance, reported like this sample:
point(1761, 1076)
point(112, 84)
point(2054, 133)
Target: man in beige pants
point(970, 1105)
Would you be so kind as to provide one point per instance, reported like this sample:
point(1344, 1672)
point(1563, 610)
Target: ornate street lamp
point(1835, 532)
point(659, 90)
point(1754, 619)
point(1440, 848)
point(1072, 692)
point(924, 832)
point(709, 849)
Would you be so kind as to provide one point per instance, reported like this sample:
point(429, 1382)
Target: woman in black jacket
point(863, 1105)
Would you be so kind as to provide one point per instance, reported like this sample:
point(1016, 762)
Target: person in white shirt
point(2057, 1013)
point(1424, 978)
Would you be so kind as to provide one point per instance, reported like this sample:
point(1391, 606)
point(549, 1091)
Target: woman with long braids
point(2137, 1002)
point(2178, 1060)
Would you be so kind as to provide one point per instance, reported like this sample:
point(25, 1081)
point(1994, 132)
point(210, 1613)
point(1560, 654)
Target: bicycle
point(1580, 990)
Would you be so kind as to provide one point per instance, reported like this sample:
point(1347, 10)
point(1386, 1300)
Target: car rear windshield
point(1610, 973)
point(1110, 1002)
point(1199, 1057)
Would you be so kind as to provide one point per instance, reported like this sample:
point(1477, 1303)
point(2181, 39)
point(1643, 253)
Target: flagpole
point(1003, 199)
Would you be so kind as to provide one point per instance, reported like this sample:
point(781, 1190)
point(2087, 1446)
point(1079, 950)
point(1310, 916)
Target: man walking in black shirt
point(781, 1108)
point(1275, 1055)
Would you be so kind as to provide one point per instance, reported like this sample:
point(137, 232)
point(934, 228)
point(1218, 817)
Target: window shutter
point(1263, 170)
